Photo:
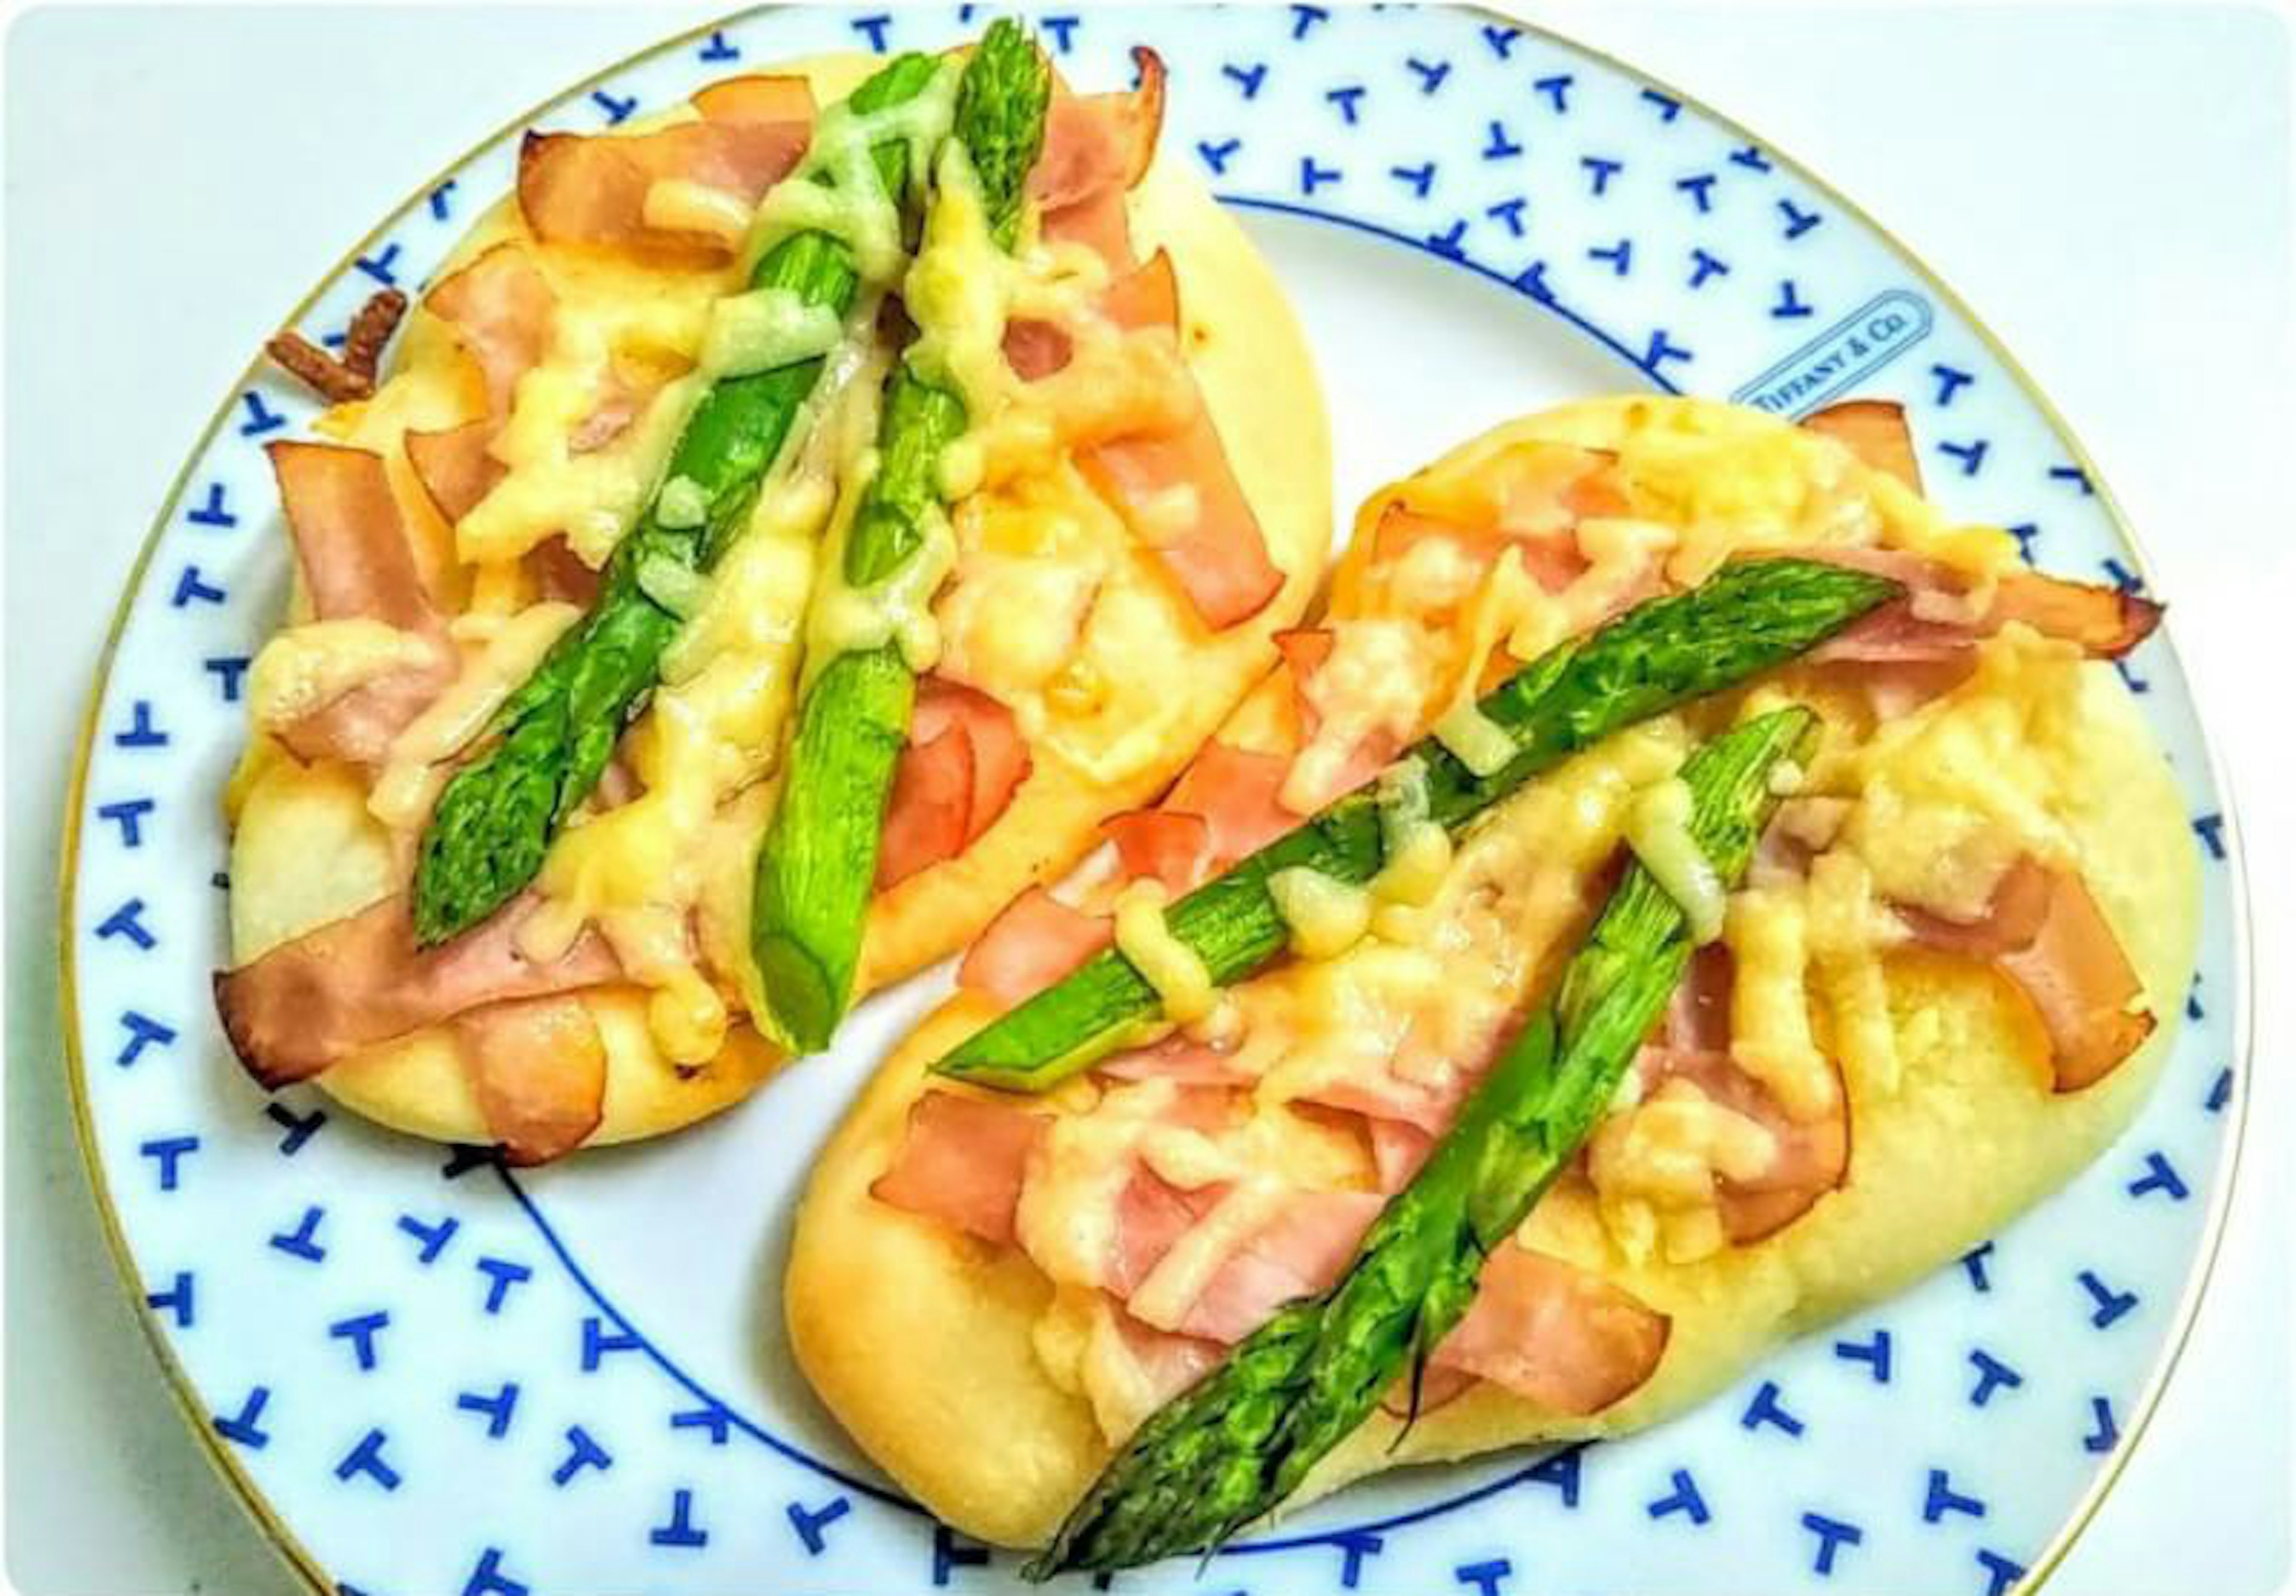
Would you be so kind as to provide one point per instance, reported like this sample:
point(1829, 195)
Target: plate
point(426, 1374)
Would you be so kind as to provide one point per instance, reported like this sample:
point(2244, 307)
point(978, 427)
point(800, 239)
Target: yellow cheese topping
point(896, 609)
point(411, 776)
point(766, 328)
point(836, 188)
point(1771, 1040)
point(1670, 1149)
point(682, 205)
point(304, 668)
point(1374, 681)
point(1415, 850)
point(1164, 961)
point(1327, 915)
point(1474, 739)
point(1658, 829)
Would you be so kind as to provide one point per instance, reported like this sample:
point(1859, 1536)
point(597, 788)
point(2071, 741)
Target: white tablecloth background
point(2108, 186)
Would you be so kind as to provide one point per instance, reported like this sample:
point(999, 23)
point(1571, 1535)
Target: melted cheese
point(764, 329)
point(1164, 961)
point(1658, 829)
point(1182, 1274)
point(896, 610)
point(1669, 1150)
point(1474, 739)
point(1374, 683)
point(682, 205)
point(836, 189)
point(1955, 793)
point(1415, 850)
point(1849, 933)
point(304, 668)
point(1326, 916)
point(1067, 1215)
point(412, 775)
point(1767, 932)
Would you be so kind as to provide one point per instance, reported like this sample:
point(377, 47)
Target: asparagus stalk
point(1752, 616)
point(820, 854)
point(552, 737)
point(1241, 1439)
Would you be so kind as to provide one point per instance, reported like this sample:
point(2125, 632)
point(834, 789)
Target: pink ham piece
point(1176, 1058)
point(1235, 790)
point(455, 467)
point(1036, 940)
point(1554, 1334)
point(592, 189)
point(2104, 621)
point(1152, 1214)
point(1552, 487)
point(538, 1069)
point(350, 985)
point(1219, 559)
point(1299, 1253)
point(351, 547)
point(1166, 844)
point(956, 776)
point(1875, 431)
point(1097, 147)
point(962, 1160)
point(1170, 1363)
point(1305, 651)
point(500, 306)
point(2045, 931)
point(1812, 1157)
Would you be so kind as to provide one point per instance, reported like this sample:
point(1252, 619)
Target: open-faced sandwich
point(789, 527)
point(1683, 889)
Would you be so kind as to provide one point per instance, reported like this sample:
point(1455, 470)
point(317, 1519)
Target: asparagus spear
point(1752, 616)
point(1241, 1439)
point(494, 820)
point(820, 853)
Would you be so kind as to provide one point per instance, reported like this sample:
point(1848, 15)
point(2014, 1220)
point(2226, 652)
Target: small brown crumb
point(350, 375)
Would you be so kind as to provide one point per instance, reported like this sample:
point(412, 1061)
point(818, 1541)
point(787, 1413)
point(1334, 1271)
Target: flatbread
point(306, 852)
point(919, 1338)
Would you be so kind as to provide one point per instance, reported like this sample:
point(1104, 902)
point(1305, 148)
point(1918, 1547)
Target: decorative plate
point(427, 1374)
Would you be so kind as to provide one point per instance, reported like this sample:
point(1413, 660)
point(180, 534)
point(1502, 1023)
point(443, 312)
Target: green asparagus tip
point(1001, 105)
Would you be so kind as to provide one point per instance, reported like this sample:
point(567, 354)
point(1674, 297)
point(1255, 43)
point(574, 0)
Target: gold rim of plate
point(267, 1520)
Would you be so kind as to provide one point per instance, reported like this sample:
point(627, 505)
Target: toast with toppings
point(574, 548)
point(1181, 1110)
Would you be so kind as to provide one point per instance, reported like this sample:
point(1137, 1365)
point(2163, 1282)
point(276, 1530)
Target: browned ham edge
point(314, 1001)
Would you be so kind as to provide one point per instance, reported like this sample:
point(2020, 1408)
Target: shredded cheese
point(1164, 961)
point(411, 776)
point(1474, 739)
point(682, 205)
point(1767, 932)
point(764, 329)
point(1326, 916)
point(304, 668)
point(1658, 829)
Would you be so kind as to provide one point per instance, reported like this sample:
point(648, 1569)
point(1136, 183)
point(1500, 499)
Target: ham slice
point(592, 189)
point(963, 760)
point(561, 574)
point(1152, 1214)
point(1167, 1363)
point(1097, 147)
point(2106, 621)
point(1698, 1016)
point(1564, 1338)
point(1173, 847)
point(1235, 792)
point(538, 1069)
point(1875, 431)
point(962, 1160)
point(455, 467)
point(1176, 1058)
point(1812, 1156)
point(356, 562)
point(350, 985)
point(500, 306)
point(1300, 1252)
point(2045, 931)
point(1036, 940)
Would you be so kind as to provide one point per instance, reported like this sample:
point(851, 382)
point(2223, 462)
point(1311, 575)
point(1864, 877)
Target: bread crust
point(1970, 1136)
point(304, 852)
